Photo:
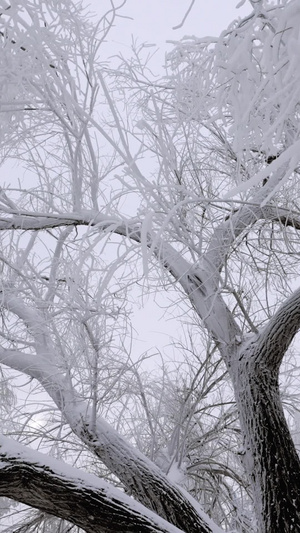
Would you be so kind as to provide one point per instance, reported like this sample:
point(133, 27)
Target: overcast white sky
point(152, 20)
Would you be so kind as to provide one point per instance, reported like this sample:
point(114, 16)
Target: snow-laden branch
point(277, 336)
point(140, 476)
point(195, 281)
point(34, 320)
point(277, 173)
point(54, 487)
point(240, 221)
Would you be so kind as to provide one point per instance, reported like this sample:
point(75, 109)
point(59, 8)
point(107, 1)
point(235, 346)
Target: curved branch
point(196, 282)
point(270, 454)
point(277, 336)
point(138, 474)
point(53, 487)
point(240, 221)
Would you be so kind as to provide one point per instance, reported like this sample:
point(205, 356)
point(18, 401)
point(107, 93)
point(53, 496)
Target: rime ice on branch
point(117, 187)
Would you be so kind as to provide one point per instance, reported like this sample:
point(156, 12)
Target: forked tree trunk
point(270, 456)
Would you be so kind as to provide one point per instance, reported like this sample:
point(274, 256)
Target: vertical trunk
point(270, 455)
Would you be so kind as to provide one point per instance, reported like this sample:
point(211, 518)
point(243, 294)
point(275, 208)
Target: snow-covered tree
point(118, 187)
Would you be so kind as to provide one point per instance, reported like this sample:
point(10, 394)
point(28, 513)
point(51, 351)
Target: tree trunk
point(270, 456)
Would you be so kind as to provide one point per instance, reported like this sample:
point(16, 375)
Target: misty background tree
point(120, 188)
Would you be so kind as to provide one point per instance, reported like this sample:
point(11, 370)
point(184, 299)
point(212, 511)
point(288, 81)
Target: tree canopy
point(120, 188)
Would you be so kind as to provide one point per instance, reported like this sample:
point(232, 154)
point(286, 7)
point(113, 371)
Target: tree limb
point(53, 487)
point(204, 296)
point(138, 474)
point(277, 336)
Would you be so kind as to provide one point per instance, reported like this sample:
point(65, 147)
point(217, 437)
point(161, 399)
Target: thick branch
point(277, 336)
point(196, 282)
point(241, 220)
point(140, 476)
point(53, 487)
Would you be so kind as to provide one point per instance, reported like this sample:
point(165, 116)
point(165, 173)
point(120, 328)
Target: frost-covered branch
point(276, 337)
point(53, 487)
point(208, 303)
point(139, 475)
point(240, 222)
point(117, 180)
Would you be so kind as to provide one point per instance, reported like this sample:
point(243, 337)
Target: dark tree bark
point(96, 508)
point(270, 456)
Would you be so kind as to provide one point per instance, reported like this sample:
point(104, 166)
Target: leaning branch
point(53, 487)
point(277, 336)
point(240, 221)
point(142, 478)
point(207, 302)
